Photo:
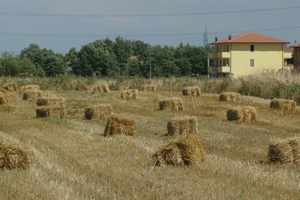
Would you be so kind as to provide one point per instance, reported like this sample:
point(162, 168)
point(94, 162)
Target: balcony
point(288, 55)
point(225, 54)
point(219, 55)
point(221, 69)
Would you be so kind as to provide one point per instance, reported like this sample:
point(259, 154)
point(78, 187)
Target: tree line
point(108, 58)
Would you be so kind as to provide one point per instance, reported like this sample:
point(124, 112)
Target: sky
point(63, 24)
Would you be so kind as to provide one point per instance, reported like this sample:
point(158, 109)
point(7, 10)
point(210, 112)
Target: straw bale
point(230, 97)
point(194, 91)
point(149, 87)
point(50, 101)
point(120, 126)
point(8, 98)
point(242, 114)
point(47, 111)
point(31, 95)
point(101, 111)
point(81, 87)
point(173, 104)
point(129, 94)
point(11, 87)
point(100, 88)
point(185, 150)
point(12, 157)
point(281, 152)
point(284, 105)
point(182, 125)
point(30, 87)
point(42, 112)
point(295, 144)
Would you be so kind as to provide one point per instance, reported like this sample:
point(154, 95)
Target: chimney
point(229, 37)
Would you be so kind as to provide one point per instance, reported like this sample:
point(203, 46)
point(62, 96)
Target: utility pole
point(150, 66)
point(205, 37)
point(150, 70)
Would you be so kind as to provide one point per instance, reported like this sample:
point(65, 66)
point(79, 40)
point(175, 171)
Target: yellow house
point(247, 54)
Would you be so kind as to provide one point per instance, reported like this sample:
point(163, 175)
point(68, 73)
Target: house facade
point(248, 53)
point(296, 57)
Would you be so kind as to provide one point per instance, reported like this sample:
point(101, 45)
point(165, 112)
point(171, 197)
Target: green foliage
point(11, 65)
point(46, 60)
point(134, 58)
point(108, 58)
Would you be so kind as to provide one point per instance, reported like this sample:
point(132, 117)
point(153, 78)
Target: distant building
point(248, 53)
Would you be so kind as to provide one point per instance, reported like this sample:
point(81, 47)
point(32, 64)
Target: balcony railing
point(220, 55)
point(221, 69)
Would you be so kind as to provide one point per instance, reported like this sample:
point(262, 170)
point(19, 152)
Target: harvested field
point(72, 160)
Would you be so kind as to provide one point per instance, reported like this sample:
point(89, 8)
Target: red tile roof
point(250, 38)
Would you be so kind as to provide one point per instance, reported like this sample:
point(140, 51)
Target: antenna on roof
point(205, 37)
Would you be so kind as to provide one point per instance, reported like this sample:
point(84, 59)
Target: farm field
point(71, 159)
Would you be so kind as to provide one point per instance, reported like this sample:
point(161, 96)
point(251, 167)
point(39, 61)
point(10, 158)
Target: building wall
point(297, 58)
point(265, 56)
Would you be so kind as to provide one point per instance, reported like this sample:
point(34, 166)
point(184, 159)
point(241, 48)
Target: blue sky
point(63, 32)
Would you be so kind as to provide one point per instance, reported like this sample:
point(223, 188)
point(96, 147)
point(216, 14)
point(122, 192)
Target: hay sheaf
point(120, 126)
point(29, 87)
point(8, 98)
point(242, 114)
point(182, 125)
point(173, 104)
point(184, 151)
point(285, 152)
point(31, 94)
point(284, 105)
point(193, 91)
point(101, 111)
point(129, 94)
point(99, 88)
point(79, 86)
point(12, 157)
point(230, 97)
point(50, 105)
point(10, 87)
point(149, 87)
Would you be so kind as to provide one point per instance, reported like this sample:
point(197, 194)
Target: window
point(252, 63)
point(252, 48)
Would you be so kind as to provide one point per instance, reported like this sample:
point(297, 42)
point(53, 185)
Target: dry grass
point(72, 159)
